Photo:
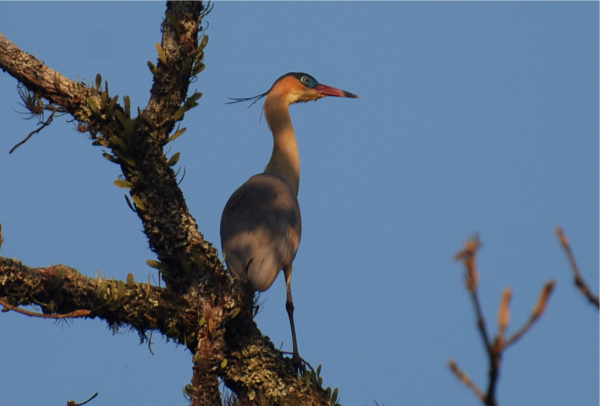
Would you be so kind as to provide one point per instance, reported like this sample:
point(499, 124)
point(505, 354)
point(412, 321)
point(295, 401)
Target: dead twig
point(466, 380)
point(43, 125)
point(72, 315)
point(72, 402)
point(579, 281)
point(535, 315)
point(495, 348)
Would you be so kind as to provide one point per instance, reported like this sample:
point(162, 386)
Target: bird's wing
point(260, 229)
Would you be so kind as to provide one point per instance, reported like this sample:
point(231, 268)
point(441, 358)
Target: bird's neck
point(285, 160)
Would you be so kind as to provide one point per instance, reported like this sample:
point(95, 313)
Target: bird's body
point(261, 224)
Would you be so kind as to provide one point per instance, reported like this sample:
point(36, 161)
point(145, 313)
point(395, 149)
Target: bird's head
point(297, 87)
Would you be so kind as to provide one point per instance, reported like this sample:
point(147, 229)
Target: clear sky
point(473, 117)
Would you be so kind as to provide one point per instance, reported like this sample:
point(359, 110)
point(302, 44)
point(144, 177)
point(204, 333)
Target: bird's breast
point(261, 228)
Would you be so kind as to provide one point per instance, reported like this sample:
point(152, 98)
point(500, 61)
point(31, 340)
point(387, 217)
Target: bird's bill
point(332, 91)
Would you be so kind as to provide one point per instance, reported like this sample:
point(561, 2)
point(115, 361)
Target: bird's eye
point(306, 80)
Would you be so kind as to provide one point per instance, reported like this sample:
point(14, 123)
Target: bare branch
point(464, 378)
point(469, 258)
point(504, 315)
point(496, 349)
point(72, 315)
point(43, 125)
point(72, 402)
point(579, 281)
point(537, 312)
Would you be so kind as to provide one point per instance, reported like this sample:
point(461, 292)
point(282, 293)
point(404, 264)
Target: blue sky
point(473, 117)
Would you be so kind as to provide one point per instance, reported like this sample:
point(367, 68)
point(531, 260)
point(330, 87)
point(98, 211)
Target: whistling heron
point(261, 224)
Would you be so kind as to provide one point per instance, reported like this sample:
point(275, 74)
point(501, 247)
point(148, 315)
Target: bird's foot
point(297, 362)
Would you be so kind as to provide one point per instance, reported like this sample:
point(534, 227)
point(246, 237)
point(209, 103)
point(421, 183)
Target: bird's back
point(260, 229)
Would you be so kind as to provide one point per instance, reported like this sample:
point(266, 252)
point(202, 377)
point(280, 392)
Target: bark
point(59, 289)
point(202, 307)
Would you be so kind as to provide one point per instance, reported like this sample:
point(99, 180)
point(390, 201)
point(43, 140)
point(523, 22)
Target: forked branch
point(495, 349)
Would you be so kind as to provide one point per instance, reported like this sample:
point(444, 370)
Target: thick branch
point(172, 232)
point(255, 368)
point(45, 81)
point(172, 74)
point(253, 365)
point(59, 289)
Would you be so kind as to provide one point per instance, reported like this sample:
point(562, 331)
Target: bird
point(261, 223)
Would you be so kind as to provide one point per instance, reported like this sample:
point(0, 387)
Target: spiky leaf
point(93, 106)
point(104, 99)
point(154, 264)
point(122, 183)
point(198, 68)
point(138, 202)
point(58, 278)
point(111, 158)
point(120, 117)
point(112, 104)
point(204, 42)
point(174, 22)
point(129, 160)
point(120, 290)
point(127, 101)
point(334, 395)
point(179, 114)
point(146, 117)
point(152, 68)
point(130, 280)
point(174, 159)
point(161, 54)
point(118, 143)
point(191, 101)
point(176, 135)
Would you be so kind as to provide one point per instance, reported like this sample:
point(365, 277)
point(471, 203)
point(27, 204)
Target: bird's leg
point(289, 306)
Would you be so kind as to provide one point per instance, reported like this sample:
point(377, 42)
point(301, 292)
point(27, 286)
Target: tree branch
point(60, 290)
point(72, 402)
point(72, 315)
point(43, 125)
point(495, 349)
point(46, 82)
point(253, 364)
point(202, 307)
point(464, 378)
point(137, 142)
point(579, 281)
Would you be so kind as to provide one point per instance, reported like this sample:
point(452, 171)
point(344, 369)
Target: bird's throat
point(285, 160)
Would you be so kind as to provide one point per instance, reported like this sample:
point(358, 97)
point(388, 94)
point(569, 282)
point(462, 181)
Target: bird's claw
point(297, 362)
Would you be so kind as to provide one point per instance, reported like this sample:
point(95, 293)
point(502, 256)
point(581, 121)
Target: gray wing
point(260, 229)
